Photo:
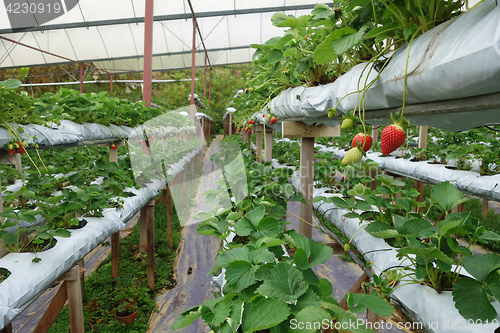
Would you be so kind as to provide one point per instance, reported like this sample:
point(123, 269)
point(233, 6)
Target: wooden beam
point(295, 129)
point(53, 310)
point(269, 146)
point(306, 185)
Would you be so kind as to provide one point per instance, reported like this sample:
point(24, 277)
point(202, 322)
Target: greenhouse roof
point(110, 33)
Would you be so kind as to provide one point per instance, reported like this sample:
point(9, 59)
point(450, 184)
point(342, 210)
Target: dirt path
point(195, 257)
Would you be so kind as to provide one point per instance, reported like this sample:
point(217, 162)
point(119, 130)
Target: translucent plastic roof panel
point(111, 33)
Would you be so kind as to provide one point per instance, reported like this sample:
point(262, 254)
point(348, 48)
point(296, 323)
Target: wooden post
point(484, 210)
point(143, 238)
point(306, 185)
point(115, 255)
point(53, 310)
point(169, 218)
point(422, 143)
point(230, 123)
point(75, 306)
point(150, 250)
point(307, 133)
point(374, 134)
point(259, 129)
point(2, 249)
point(250, 141)
point(269, 146)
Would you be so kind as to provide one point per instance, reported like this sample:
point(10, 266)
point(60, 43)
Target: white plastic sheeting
point(66, 133)
point(459, 58)
point(21, 287)
point(436, 312)
point(111, 33)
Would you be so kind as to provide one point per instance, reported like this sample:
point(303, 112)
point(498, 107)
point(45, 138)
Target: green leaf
point(360, 302)
point(218, 314)
point(29, 195)
point(269, 242)
point(481, 265)
point(244, 227)
point(268, 227)
point(427, 254)
point(240, 275)
point(256, 215)
point(62, 233)
point(355, 3)
point(10, 239)
point(337, 43)
point(261, 256)
point(266, 313)
point(363, 205)
point(383, 30)
point(275, 56)
point(286, 283)
point(490, 236)
point(212, 227)
point(472, 301)
point(351, 215)
point(319, 254)
point(234, 216)
point(309, 319)
point(381, 230)
point(446, 196)
point(415, 227)
point(186, 319)
point(10, 84)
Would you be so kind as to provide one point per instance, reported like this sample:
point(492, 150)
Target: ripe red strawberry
point(11, 151)
point(364, 140)
point(273, 120)
point(249, 131)
point(393, 136)
point(250, 121)
point(21, 150)
point(113, 147)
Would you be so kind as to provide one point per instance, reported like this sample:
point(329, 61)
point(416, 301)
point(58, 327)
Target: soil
point(47, 244)
point(4, 274)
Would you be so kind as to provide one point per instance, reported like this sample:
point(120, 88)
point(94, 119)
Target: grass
point(99, 308)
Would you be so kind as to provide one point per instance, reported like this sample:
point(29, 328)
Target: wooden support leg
point(250, 142)
point(269, 146)
point(75, 305)
point(259, 146)
point(151, 245)
point(373, 183)
point(81, 265)
point(184, 173)
point(306, 185)
point(53, 310)
point(169, 218)
point(7, 329)
point(143, 238)
point(115, 255)
point(485, 207)
point(2, 249)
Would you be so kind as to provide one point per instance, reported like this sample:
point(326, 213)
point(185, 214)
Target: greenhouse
point(230, 166)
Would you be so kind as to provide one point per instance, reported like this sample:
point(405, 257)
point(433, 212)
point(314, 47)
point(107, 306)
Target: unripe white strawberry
point(354, 155)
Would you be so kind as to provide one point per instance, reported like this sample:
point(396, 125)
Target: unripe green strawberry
point(354, 155)
point(10, 146)
point(347, 123)
point(269, 116)
point(347, 247)
point(331, 113)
